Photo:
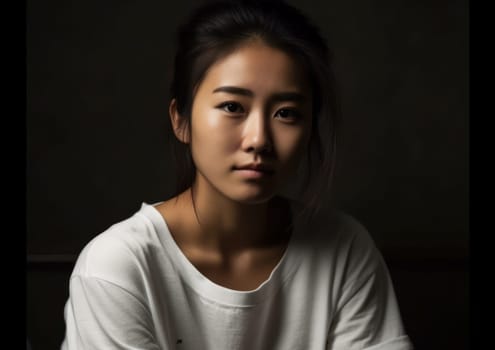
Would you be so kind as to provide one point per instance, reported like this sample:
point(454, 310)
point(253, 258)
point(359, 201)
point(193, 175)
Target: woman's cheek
point(213, 120)
point(214, 136)
point(292, 144)
point(228, 135)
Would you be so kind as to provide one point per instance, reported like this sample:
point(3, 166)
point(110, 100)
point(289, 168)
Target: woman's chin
point(253, 197)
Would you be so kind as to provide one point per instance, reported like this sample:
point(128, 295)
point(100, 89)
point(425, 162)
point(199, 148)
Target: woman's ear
point(179, 124)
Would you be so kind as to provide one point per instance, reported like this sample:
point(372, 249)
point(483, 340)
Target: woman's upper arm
point(367, 314)
point(369, 318)
point(108, 305)
point(102, 315)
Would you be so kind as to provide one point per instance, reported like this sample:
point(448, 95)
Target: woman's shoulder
point(336, 233)
point(349, 227)
point(118, 253)
point(329, 222)
point(337, 241)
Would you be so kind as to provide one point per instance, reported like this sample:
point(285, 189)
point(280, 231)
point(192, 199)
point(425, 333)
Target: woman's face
point(250, 123)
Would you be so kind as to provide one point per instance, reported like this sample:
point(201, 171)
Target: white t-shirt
point(133, 288)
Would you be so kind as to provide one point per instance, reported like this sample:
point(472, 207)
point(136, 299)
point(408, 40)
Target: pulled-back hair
point(218, 28)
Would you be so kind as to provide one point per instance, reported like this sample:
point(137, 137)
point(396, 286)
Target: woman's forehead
point(259, 68)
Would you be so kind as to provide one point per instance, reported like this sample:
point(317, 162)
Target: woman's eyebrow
point(234, 90)
point(279, 97)
point(289, 96)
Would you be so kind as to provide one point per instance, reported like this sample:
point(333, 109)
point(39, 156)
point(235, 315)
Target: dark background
point(97, 89)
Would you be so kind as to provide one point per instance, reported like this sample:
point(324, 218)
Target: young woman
point(241, 258)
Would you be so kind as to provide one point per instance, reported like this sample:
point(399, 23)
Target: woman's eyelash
point(231, 107)
point(288, 113)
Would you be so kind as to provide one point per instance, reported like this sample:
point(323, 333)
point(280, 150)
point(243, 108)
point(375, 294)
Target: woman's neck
point(233, 244)
point(224, 221)
point(219, 223)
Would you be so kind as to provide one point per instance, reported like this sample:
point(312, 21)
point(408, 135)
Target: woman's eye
point(288, 114)
point(231, 107)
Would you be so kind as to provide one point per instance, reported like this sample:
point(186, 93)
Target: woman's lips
point(254, 171)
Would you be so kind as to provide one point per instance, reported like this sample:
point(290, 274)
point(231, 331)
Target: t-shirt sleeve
point(102, 315)
point(367, 315)
point(107, 306)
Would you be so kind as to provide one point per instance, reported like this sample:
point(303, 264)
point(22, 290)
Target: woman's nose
point(257, 136)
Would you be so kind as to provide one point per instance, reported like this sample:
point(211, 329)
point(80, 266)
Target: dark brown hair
point(216, 29)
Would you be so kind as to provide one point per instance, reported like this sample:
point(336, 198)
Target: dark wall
point(97, 89)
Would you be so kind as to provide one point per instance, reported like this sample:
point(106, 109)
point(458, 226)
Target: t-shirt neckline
point(208, 289)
